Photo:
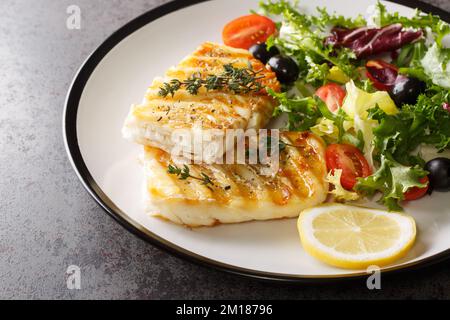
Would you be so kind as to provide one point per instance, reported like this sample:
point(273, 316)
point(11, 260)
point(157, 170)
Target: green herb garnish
point(184, 174)
point(236, 80)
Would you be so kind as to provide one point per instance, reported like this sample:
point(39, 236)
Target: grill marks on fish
point(300, 176)
point(212, 109)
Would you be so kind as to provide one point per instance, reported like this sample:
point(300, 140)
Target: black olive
point(439, 176)
point(285, 68)
point(260, 52)
point(406, 90)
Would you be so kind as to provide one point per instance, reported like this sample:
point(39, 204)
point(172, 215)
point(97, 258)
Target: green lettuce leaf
point(302, 112)
point(392, 179)
point(426, 122)
point(427, 63)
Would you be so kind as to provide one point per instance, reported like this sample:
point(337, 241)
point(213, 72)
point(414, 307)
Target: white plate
point(117, 74)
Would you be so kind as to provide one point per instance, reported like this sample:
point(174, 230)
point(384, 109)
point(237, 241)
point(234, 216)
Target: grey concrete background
point(48, 221)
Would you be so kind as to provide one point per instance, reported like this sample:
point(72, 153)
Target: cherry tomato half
point(350, 160)
point(382, 74)
point(248, 30)
point(416, 192)
point(332, 94)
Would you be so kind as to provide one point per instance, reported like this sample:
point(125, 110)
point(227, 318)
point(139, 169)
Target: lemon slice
point(354, 238)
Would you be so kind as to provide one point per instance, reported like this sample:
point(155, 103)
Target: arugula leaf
point(392, 179)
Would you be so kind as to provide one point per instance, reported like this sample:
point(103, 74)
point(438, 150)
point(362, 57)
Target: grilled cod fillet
point(152, 122)
point(239, 192)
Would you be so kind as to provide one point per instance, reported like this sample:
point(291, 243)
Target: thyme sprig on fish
point(236, 80)
point(281, 147)
point(185, 173)
point(281, 144)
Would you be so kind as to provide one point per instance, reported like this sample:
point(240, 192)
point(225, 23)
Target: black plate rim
point(76, 159)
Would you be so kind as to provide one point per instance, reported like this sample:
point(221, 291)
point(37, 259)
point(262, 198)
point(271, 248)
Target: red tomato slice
point(416, 192)
point(332, 94)
point(246, 31)
point(382, 74)
point(350, 160)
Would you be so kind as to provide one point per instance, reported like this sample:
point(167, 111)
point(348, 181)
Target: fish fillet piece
point(239, 192)
point(152, 122)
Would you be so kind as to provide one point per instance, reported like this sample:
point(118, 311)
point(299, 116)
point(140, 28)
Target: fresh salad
point(376, 88)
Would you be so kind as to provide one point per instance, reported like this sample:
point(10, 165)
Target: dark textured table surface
point(47, 219)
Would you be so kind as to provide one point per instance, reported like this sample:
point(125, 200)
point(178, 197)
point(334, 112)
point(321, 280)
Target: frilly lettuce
point(356, 106)
point(368, 119)
point(428, 22)
point(301, 36)
point(397, 138)
point(392, 179)
point(366, 128)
